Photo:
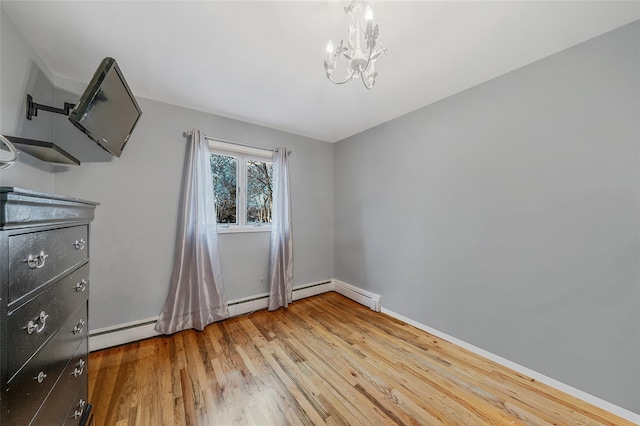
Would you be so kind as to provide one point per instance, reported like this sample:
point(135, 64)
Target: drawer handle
point(37, 262)
point(33, 325)
point(78, 413)
point(77, 329)
point(82, 285)
point(79, 244)
point(41, 377)
point(79, 368)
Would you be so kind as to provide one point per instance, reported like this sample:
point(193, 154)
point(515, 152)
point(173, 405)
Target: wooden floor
point(324, 360)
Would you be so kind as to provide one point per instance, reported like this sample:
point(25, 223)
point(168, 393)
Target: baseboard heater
point(144, 329)
point(371, 300)
point(139, 330)
point(104, 331)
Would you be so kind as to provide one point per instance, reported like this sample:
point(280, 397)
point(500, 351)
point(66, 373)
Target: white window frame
point(242, 153)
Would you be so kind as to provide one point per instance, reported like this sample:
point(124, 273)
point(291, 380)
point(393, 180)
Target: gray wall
point(507, 215)
point(22, 73)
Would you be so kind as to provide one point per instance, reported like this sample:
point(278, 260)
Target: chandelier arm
point(365, 83)
point(364, 76)
point(348, 79)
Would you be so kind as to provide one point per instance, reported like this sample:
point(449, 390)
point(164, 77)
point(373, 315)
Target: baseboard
point(308, 290)
point(371, 300)
point(248, 304)
point(593, 400)
point(122, 333)
point(138, 330)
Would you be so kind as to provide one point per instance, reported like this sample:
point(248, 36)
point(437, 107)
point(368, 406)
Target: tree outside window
point(259, 191)
point(243, 190)
point(224, 174)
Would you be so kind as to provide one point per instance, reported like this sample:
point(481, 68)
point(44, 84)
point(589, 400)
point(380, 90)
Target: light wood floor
point(325, 360)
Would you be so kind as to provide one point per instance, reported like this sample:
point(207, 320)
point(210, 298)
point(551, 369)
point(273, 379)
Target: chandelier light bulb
point(330, 47)
point(368, 14)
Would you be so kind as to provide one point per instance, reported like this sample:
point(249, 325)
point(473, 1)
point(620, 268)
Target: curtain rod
point(188, 133)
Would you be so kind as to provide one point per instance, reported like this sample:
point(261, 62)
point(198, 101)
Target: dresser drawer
point(33, 323)
point(63, 404)
point(38, 257)
point(27, 392)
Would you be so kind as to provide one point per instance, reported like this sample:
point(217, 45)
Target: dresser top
point(11, 191)
point(21, 208)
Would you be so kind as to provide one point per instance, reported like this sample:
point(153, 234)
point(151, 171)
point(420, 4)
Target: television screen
point(107, 111)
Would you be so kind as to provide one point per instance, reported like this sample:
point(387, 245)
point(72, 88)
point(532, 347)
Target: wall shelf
point(45, 151)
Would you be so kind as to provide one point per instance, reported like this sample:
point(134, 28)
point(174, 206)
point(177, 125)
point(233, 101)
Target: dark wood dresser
point(44, 277)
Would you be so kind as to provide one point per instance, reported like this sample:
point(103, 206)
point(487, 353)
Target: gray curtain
point(196, 294)
point(281, 259)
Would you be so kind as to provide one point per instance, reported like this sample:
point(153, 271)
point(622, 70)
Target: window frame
point(242, 154)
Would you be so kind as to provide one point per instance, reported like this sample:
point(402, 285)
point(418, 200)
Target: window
point(242, 182)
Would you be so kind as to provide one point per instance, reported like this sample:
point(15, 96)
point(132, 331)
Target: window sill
point(242, 229)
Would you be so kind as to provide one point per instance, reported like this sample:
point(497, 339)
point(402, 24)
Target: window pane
point(259, 191)
point(224, 174)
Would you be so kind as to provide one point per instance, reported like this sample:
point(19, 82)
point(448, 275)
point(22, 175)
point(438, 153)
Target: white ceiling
point(261, 61)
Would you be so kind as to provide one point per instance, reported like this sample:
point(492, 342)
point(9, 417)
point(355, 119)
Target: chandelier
point(362, 63)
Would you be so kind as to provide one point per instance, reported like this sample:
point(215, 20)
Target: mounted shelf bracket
point(32, 108)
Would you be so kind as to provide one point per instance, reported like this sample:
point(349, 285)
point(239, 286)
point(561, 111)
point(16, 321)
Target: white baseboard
point(122, 333)
point(248, 304)
point(258, 302)
point(593, 400)
point(138, 330)
point(308, 290)
point(371, 300)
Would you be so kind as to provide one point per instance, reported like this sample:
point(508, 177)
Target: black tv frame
point(85, 103)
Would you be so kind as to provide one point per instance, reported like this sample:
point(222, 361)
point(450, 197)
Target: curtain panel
point(196, 293)
point(281, 254)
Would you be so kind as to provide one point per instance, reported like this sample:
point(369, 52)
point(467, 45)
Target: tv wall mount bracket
point(32, 108)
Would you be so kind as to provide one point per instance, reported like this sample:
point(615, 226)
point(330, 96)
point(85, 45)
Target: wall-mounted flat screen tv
point(107, 112)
